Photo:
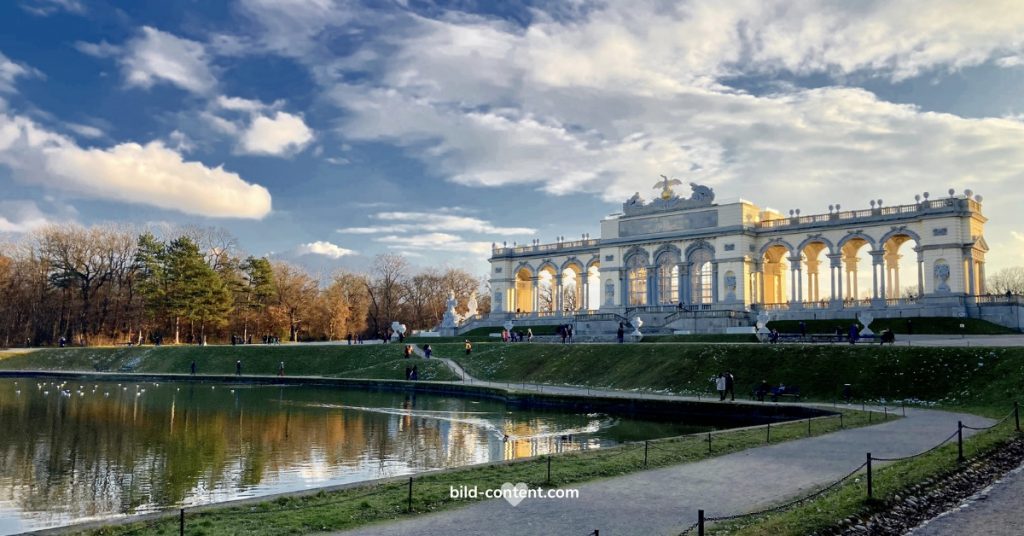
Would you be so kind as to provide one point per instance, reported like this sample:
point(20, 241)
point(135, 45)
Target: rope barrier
point(997, 423)
point(901, 458)
point(780, 507)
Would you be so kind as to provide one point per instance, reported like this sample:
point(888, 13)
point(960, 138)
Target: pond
point(73, 451)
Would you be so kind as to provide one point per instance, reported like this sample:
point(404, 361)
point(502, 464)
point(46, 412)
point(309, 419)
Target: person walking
point(280, 369)
point(720, 386)
point(853, 333)
point(529, 334)
point(730, 385)
point(427, 351)
point(620, 333)
point(238, 367)
point(415, 373)
point(408, 373)
point(193, 368)
point(469, 347)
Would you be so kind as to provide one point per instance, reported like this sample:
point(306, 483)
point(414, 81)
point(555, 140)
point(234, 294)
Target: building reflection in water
point(72, 451)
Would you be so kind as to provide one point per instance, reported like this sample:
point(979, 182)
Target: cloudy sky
point(326, 131)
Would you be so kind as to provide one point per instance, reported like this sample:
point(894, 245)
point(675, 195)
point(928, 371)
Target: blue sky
point(324, 132)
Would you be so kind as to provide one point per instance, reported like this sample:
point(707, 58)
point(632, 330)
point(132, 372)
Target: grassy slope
point(962, 377)
point(369, 361)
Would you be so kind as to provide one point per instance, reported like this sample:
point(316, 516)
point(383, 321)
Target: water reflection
point(72, 451)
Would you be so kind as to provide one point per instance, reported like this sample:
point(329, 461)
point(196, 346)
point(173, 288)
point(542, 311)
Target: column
point(685, 290)
point(971, 289)
point(535, 308)
point(584, 301)
point(652, 285)
point(556, 287)
point(624, 288)
point(920, 274)
point(836, 265)
point(714, 282)
point(681, 284)
point(981, 277)
point(878, 274)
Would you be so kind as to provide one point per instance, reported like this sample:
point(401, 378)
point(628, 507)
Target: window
point(636, 276)
point(668, 278)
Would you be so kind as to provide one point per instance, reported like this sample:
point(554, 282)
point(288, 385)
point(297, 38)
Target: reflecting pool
point(72, 451)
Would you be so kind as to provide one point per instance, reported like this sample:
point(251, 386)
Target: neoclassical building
point(675, 261)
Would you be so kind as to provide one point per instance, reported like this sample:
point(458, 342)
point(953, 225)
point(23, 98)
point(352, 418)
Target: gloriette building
point(690, 264)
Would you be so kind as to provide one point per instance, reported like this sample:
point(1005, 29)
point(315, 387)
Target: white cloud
point(45, 8)
point(431, 242)
point(86, 131)
point(21, 216)
point(239, 104)
point(150, 174)
point(293, 27)
point(11, 71)
point(325, 249)
point(280, 134)
point(157, 56)
point(434, 222)
point(1010, 61)
point(605, 103)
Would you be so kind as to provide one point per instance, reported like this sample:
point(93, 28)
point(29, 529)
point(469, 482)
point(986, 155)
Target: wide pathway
point(666, 500)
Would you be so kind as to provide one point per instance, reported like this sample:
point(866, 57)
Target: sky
point(325, 132)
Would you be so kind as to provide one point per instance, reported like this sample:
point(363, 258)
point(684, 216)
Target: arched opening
point(775, 270)
point(902, 267)
point(636, 280)
point(523, 292)
point(593, 294)
point(815, 261)
point(857, 280)
point(572, 288)
point(668, 277)
point(547, 287)
point(702, 277)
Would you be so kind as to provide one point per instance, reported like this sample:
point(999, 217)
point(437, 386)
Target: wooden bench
point(774, 393)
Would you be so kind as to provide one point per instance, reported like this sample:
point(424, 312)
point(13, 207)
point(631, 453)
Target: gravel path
point(666, 500)
point(995, 511)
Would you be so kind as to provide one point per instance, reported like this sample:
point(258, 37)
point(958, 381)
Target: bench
point(775, 393)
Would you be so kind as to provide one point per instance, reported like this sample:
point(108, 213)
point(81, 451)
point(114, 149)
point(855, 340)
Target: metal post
point(549, 469)
point(840, 421)
point(870, 483)
point(808, 428)
point(886, 410)
point(410, 494)
point(709, 442)
point(863, 405)
point(700, 522)
point(904, 408)
point(645, 453)
point(181, 523)
point(1016, 414)
point(768, 437)
point(869, 415)
point(959, 441)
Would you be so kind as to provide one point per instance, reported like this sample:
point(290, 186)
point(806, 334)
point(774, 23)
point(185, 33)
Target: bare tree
point(1009, 279)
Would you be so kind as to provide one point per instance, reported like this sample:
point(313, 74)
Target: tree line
point(108, 284)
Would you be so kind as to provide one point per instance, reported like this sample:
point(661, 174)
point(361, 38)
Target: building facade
point(691, 256)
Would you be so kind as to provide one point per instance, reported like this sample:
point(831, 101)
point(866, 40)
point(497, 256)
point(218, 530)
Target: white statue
point(471, 305)
point(508, 325)
point(396, 326)
point(450, 318)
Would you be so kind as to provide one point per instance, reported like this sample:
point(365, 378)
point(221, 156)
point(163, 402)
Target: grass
point(850, 498)
point(920, 325)
point(368, 361)
point(703, 337)
point(356, 506)
point(974, 378)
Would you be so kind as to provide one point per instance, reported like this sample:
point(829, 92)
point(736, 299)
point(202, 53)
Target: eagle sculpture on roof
point(666, 185)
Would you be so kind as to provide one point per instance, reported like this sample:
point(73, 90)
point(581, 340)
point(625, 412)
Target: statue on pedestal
point(450, 318)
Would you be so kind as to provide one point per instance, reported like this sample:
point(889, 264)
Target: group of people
point(427, 351)
point(238, 339)
point(565, 331)
point(516, 336)
point(725, 384)
point(357, 339)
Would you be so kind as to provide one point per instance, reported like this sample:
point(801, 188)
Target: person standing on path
point(193, 368)
point(238, 367)
point(427, 351)
point(469, 347)
point(730, 385)
point(620, 334)
point(720, 386)
point(280, 369)
point(529, 334)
